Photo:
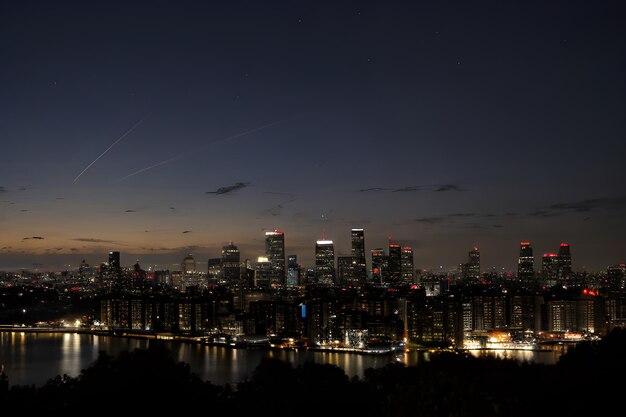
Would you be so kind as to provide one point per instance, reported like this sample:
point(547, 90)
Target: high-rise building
point(616, 276)
point(344, 270)
point(471, 270)
point(549, 269)
point(214, 270)
point(359, 267)
point(293, 271)
point(526, 263)
point(325, 262)
point(564, 261)
point(275, 251)
point(188, 265)
point(408, 271)
point(263, 273)
point(379, 265)
point(231, 268)
point(114, 261)
point(394, 266)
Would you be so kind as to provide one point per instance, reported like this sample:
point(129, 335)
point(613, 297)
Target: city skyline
point(159, 131)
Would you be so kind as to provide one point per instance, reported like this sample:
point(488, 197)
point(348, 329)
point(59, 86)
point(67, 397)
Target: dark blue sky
point(468, 123)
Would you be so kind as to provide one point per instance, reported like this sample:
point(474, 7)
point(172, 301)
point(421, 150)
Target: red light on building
point(475, 247)
point(564, 245)
point(376, 270)
point(524, 243)
point(585, 291)
point(550, 255)
point(413, 287)
point(394, 245)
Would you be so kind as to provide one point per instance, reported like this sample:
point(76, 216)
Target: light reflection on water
point(33, 358)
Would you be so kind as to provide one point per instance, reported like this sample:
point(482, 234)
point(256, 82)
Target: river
point(33, 358)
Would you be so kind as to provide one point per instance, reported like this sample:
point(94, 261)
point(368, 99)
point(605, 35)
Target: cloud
point(407, 189)
point(449, 187)
point(461, 215)
point(543, 213)
point(130, 211)
point(590, 204)
point(33, 237)
point(93, 240)
point(187, 231)
point(364, 190)
point(431, 187)
point(229, 188)
point(429, 220)
point(3, 189)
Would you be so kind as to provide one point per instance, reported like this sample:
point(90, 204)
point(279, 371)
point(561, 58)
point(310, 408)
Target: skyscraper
point(471, 270)
point(526, 263)
point(188, 265)
point(359, 267)
point(549, 269)
point(325, 262)
point(394, 263)
point(231, 268)
point(114, 261)
point(263, 273)
point(379, 264)
point(293, 271)
point(345, 270)
point(408, 272)
point(564, 261)
point(275, 251)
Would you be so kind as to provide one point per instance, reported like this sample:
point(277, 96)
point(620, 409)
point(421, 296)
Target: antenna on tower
point(323, 233)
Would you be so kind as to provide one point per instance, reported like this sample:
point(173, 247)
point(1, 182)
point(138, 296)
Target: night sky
point(441, 124)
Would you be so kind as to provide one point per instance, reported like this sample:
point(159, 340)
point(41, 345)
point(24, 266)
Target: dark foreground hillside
point(150, 381)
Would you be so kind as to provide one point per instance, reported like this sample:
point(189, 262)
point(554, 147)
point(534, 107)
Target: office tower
point(564, 261)
point(275, 251)
point(359, 268)
point(406, 267)
point(263, 273)
point(188, 265)
point(293, 271)
point(394, 266)
point(549, 269)
point(325, 262)
point(344, 270)
point(471, 270)
point(231, 268)
point(114, 261)
point(526, 263)
point(214, 270)
point(616, 276)
point(379, 265)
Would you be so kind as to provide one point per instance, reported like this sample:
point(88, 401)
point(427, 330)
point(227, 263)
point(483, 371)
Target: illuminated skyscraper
point(188, 265)
point(394, 263)
point(114, 261)
point(231, 268)
point(275, 251)
point(549, 269)
point(325, 262)
point(359, 268)
point(408, 272)
point(263, 273)
point(345, 270)
point(471, 270)
point(293, 271)
point(564, 261)
point(379, 264)
point(526, 263)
